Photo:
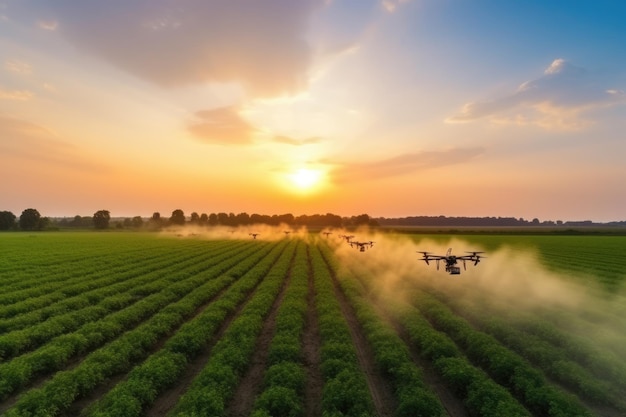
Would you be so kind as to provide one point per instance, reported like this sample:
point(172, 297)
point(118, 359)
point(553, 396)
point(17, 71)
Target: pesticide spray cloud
point(508, 280)
point(254, 231)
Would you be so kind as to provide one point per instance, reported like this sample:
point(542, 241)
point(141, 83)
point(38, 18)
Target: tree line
point(31, 220)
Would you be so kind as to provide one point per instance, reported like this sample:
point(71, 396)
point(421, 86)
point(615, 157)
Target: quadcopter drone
point(361, 245)
point(254, 235)
point(347, 238)
point(451, 260)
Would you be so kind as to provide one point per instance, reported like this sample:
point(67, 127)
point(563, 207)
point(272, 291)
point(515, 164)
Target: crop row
point(504, 366)
point(88, 307)
point(570, 360)
point(57, 352)
point(285, 377)
point(216, 383)
point(390, 352)
point(345, 389)
point(480, 394)
point(34, 304)
point(55, 287)
point(29, 274)
point(167, 313)
point(147, 380)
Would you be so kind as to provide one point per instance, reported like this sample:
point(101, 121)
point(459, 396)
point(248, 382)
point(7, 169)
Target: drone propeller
point(424, 256)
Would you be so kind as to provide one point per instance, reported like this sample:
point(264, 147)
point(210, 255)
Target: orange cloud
point(296, 142)
point(402, 164)
point(35, 144)
point(221, 126)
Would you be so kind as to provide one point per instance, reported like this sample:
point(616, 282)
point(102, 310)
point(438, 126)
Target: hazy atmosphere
point(389, 107)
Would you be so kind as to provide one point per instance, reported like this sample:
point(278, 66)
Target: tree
point(101, 219)
point(222, 219)
point(360, 220)
point(213, 219)
point(7, 220)
point(137, 222)
point(178, 217)
point(29, 219)
point(195, 218)
point(155, 221)
point(243, 219)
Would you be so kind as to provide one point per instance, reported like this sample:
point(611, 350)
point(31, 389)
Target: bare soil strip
point(311, 353)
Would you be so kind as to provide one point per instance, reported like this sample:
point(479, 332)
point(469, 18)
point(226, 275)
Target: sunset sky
point(387, 107)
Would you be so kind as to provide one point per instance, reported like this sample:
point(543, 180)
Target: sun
point(305, 179)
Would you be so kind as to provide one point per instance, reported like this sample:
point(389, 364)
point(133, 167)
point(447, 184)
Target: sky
point(392, 108)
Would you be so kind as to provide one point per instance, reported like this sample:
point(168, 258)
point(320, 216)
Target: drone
point(361, 245)
point(254, 235)
point(348, 238)
point(451, 260)
point(327, 233)
point(286, 232)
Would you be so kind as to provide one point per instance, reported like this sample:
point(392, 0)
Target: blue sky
point(394, 108)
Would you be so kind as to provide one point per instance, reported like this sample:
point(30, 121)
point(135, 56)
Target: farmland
point(149, 324)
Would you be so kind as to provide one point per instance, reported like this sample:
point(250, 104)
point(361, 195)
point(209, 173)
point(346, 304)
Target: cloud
point(557, 99)
point(23, 140)
point(18, 67)
point(50, 25)
point(296, 142)
point(17, 95)
point(262, 45)
point(391, 5)
point(222, 126)
point(403, 164)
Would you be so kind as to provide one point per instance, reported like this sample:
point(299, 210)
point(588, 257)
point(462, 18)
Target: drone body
point(361, 245)
point(451, 260)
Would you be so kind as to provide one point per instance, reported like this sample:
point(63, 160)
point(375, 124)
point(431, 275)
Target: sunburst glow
point(305, 179)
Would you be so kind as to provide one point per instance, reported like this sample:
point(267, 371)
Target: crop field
point(181, 324)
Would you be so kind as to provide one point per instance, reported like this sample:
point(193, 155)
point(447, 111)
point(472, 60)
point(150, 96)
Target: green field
point(156, 324)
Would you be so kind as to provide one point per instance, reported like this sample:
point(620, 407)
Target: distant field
point(148, 324)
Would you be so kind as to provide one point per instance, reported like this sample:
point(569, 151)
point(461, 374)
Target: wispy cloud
point(392, 5)
point(223, 126)
point(17, 95)
point(403, 164)
point(556, 100)
point(50, 25)
point(37, 145)
point(296, 142)
point(260, 45)
point(18, 67)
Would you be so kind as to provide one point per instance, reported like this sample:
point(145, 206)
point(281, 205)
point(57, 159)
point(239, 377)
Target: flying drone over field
point(348, 238)
point(361, 245)
point(327, 233)
point(254, 235)
point(451, 260)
